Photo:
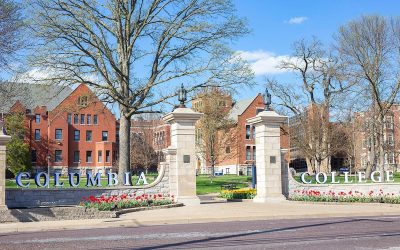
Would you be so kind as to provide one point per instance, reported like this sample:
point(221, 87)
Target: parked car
point(343, 169)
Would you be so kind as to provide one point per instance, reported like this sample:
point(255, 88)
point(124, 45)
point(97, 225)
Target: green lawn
point(341, 179)
point(204, 185)
point(12, 184)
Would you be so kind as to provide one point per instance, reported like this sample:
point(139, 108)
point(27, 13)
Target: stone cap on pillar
point(4, 139)
point(169, 151)
point(182, 114)
point(268, 117)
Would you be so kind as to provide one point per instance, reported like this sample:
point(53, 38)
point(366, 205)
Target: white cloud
point(264, 62)
point(297, 20)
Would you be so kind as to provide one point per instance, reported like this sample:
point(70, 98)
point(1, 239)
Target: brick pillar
point(4, 139)
point(268, 151)
point(181, 155)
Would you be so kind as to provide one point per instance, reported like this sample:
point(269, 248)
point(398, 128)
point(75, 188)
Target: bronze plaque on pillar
point(186, 159)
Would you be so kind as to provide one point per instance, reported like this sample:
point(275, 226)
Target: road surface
point(329, 233)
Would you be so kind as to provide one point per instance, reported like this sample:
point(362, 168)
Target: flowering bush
point(116, 202)
point(351, 196)
point(244, 193)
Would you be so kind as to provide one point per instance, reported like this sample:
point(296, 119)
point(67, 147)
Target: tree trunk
point(325, 150)
point(381, 142)
point(310, 166)
point(124, 148)
point(325, 166)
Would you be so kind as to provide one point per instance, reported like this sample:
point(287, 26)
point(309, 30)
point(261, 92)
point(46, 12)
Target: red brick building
point(68, 130)
point(154, 135)
point(238, 155)
point(391, 139)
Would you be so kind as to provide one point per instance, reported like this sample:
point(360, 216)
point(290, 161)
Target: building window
point(37, 134)
point(77, 135)
point(82, 119)
point(248, 153)
point(95, 119)
point(389, 122)
point(254, 153)
point(227, 150)
point(89, 119)
point(89, 156)
point(390, 140)
point(57, 156)
point(104, 136)
point(88, 135)
point(77, 157)
point(99, 156)
point(107, 155)
point(247, 131)
point(83, 101)
point(389, 158)
point(69, 118)
point(58, 135)
point(37, 118)
point(33, 156)
point(253, 132)
point(227, 170)
point(76, 118)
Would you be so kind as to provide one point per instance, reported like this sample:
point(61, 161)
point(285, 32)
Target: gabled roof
point(240, 107)
point(33, 95)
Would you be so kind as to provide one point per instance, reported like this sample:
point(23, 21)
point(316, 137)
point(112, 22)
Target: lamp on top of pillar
point(267, 100)
point(182, 96)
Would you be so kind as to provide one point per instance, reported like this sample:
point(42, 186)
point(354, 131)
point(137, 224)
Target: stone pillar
point(268, 151)
point(4, 139)
point(181, 155)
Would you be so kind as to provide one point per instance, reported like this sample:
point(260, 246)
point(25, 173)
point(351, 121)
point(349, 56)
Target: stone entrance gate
point(177, 175)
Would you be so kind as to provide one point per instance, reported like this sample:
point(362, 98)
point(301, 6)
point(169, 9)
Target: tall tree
point(215, 131)
point(11, 41)
point(370, 49)
point(134, 52)
point(18, 158)
point(320, 81)
point(11, 25)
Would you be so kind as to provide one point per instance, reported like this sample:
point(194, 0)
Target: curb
point(137, 209)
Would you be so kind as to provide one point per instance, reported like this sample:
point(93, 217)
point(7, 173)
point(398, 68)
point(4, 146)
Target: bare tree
point(143, 154)
point(370, 49)
point(11, 25)
point(215, 131)
point(135, 52)
point(319, 73)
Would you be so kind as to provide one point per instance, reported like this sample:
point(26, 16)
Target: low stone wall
point(364, 188)
point(53, 214)
point(36, 197)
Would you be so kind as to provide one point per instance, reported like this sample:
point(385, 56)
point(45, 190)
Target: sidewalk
point(214, 212)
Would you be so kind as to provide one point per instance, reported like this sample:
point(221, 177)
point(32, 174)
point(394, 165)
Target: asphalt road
point(330, 233)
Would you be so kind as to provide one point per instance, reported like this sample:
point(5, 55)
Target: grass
point(12, 184)
point(396, 177)
point(205, 186)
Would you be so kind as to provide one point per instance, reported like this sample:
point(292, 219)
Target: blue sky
point(277, 24)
